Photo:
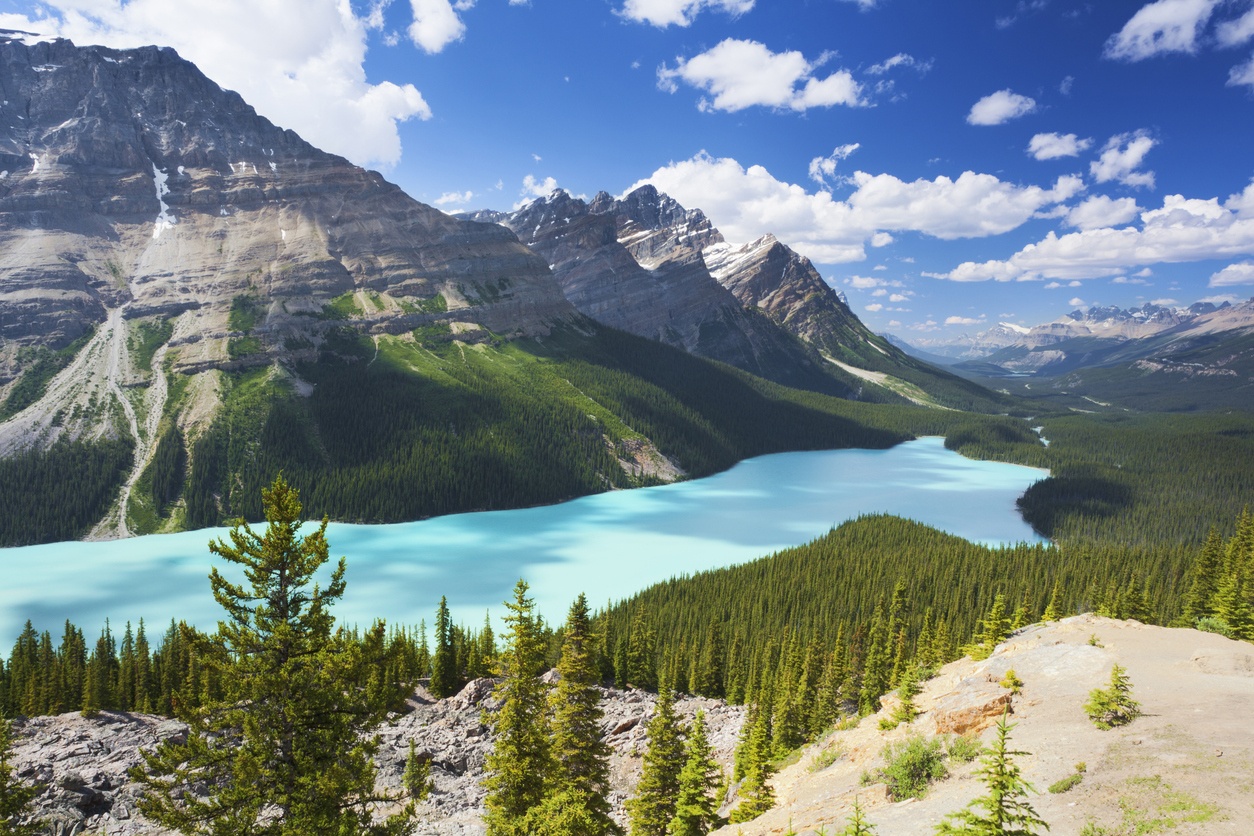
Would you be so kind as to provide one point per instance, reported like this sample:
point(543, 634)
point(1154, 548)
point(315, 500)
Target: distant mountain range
point(1154, 356)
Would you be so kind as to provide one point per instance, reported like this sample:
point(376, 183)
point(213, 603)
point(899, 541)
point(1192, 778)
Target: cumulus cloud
point(1121, 160)
point(454, 198)
point(1242, 74)
point(1099, 210)
point(1161, 27)
point(531, 187)
point(436, 24)
point(663, 13)
point(1076, 301)
point(1233, 274)
point(824, 168)
point(1052, 146)
point(298, 62)
point(1236, 32)
point(741, 74)
point(747, 202)
point(874, 307)
point(999, 107)
point(963, 320)
point(1183, 230)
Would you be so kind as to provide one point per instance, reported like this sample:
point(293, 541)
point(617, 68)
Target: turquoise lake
point(608, 545)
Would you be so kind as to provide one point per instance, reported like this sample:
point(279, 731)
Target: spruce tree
point(756, 793)
point(1113, 706)
point(697, 803)
point(580, 777)
point(15, 797)
point(287, 750)
point(444, 665)
point(1052, 609)
point(651, 809)
point(875, 666)
point(417, 775)
point(995, 627)
point(517, 770)
point(1004, 810)
point(856, 824)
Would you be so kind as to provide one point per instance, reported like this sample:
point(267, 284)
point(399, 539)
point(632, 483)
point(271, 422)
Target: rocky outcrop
point(83, 763)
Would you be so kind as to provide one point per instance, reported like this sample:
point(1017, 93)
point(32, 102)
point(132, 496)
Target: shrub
point(964, 748)
point(912, 764)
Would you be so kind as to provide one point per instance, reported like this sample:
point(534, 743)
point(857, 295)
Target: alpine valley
point(192, 299)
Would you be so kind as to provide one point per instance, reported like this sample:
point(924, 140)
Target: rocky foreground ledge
point(83, 762)
point(1185, 767)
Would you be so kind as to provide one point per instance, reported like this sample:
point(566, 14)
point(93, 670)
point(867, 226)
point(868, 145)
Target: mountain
point(193, 299)
point(636, 264)
point(964, 346)
point(647, 265)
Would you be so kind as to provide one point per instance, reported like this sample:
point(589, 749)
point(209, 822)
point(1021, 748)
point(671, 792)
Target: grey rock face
point(636, 264)
point(131, 180)
point(82, 764)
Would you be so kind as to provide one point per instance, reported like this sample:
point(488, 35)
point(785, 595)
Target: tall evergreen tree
point(580, 777)
point(287, 751)
point(756, 793)
point(517, 769)
point(444, 665)
point(642, 652)
point(1004, 810)
point(697, 802)
point(651, 809)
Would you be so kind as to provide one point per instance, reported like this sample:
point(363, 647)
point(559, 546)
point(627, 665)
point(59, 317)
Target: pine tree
point(417, 775)
point(444, 666)
point(857, 825)
point(15, 797)
point(580, 777)
point(652, 808)
point(994, 629)
point(641, 652)
point(697, 803)
point(518, 767)
point(756, 793)
point(1004, 810)
point(906, 692)
point(287, 750)
point(1053, 609)
point(1113, 706)
point(875, 671)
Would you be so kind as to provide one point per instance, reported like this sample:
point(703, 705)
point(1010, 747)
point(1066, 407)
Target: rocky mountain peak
point(136, 187)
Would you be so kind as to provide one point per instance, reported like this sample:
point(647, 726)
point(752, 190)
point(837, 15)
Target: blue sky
point(946, 165)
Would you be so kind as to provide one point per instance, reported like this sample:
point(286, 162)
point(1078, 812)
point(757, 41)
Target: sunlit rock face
point(133, 181)
point(637, 264)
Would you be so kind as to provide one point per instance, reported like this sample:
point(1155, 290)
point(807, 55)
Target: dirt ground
point(1185, 767)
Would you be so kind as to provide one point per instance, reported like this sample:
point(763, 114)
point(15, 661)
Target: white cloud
point(1161, 27)
point(822, 168)
point(744, 203)
point(880, 292)
point(1182, 230)
point(1052, 146)
point(663, 13)
point(881, 239)
point(874, 307)
point(298, 62)
point(742, 74)
point(865, 5)
point(531, 187)
point(1076, 301)
point(1242, 74)
point(1066, 84)
point(999, 107)
point(436, 24)
point(1164, 301)
point(1100, 210)
point(900, 297)
point(1233, 274)
point(901, 59)
point(1126, 280)
point(863, 282)
point(454, 198)
point(963, 320)
point(1053, 285)
point(1236, 32)
point(1122, 157)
